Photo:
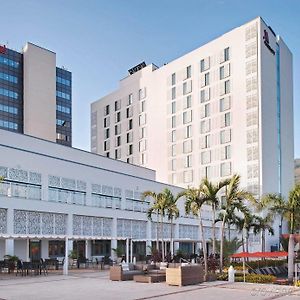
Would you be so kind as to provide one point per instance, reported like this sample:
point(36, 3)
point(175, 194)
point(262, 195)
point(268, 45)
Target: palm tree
point(172, 212)
point(193, 204)
point(263, 224)
point(234, 199)
point(289, 210)
point(210, 192)
point(155, 208)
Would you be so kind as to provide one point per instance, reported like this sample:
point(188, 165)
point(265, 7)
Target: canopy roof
point(260, 254)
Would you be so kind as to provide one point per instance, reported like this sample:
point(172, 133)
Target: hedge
point(253, 278)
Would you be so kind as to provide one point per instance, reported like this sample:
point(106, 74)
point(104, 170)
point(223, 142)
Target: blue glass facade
point(12, 102)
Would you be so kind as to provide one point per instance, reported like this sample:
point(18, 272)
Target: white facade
point(224, 108)
point(51, 192)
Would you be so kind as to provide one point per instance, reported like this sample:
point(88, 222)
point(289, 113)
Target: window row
point(9, 93)
point(9, 78)
point(64, 123)
point(9, 62)
point(63, 109)
point(63, 95)
point(63, 81)
point(63, 137)
point(8, 124)
point(9, 109)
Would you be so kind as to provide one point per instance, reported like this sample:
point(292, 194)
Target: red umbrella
point(260, 254)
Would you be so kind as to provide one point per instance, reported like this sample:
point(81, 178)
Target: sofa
point(125, 272)
point(185, 275)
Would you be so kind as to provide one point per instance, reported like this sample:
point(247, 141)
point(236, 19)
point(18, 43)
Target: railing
point(105, 201)
point(136, 205)
point(66, 196)
point(20, 190)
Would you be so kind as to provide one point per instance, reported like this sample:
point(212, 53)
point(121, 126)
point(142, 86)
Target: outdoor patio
point(96, 284)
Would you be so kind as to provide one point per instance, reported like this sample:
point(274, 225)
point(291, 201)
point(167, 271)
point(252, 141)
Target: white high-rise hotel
point(224, 108)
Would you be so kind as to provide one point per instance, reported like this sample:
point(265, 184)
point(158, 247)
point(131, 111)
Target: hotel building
point(35, 95)
point(223, 108)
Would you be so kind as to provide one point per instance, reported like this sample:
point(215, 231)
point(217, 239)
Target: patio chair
point(43, 267)
point(20, 268)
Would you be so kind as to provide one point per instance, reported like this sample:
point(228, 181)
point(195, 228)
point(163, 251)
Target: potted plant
point(12, 261)
point(119, 253)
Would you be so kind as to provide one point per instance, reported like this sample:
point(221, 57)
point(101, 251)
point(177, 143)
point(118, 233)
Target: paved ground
point(96, 285)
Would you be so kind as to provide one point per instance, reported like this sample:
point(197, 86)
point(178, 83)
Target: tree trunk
point(171, 240)
point(263, 241)
point(229, 238)
point(222, 244)
point(247, 241)
point(213, 230)
point(162, 238)
point(243, 240)
point(157, 245)
point(291, 259)
point(203, 245)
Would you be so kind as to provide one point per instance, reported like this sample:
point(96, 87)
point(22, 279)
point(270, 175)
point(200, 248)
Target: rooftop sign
point(137, 68)
point(2, 49)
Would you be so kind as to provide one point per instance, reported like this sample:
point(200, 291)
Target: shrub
point(253, 278)
point(297, 283)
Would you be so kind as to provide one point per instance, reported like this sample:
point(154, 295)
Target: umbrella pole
point(244, 269)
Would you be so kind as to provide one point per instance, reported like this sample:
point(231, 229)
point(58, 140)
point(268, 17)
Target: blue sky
point(100, 40)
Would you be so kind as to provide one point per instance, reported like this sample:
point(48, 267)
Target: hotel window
point(129, 137)
point(188, 131)
point(117, 105)
point(130, 98)
point(117, 153)
point(188, 161)
point(225, 169)
point(226, 54)
point(173, 150)
point(118, 141)
point(226, 152)
point(107, 133)
point(222, 72)
point(207, 141)
point(187, 102)
point(173, 164)
point(106, 110)
point(205, 126)
point(173, 79)
point(227, 119)
point(205, 157)
point(188, 72)
point(207, 172)
point(187, 146)
point(118, 117)
point(173, 93)
point(173, 121)
point(188, 176)
point(142, 106)
point(129, 112)
point(106, 145)
point(130, 124)
point(225, 136)
point(206, 79)
point(224, 104)
point(106, 122)
point(204, 95)
point(227, 87)
point(173, 107)
point(142, 132)
point(142, 119)
point(130, 149)
point(142, 93)
point(204, 64)
point(143, 158)
point(187, 87)
point(173, 136)
point(187, 117)
point(107, 154)
point(205, 111)
point(142, 145)
point(117, 129)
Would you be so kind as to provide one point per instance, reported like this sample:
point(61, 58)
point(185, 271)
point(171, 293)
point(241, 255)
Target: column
point(66, 261)
point(88, 249)
point(149, 238)
point(176, 237)
point(44, 249)
point(9, 243)
point(114, 241)
point(127, 250)
point(27, 250)
point(131, 250)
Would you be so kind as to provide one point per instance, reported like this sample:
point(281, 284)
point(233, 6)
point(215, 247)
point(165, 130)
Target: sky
point(99, 40)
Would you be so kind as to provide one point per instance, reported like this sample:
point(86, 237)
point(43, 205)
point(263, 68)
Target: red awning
point(260, 254)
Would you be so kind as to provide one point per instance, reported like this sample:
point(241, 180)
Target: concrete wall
point(39, 92)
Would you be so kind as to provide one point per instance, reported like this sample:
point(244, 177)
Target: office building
point(35, 95)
